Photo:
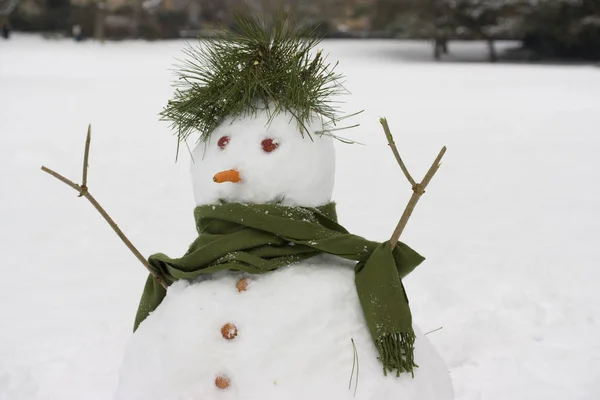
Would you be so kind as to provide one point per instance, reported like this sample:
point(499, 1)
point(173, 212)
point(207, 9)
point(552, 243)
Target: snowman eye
point(223, 142)
point(268, 145)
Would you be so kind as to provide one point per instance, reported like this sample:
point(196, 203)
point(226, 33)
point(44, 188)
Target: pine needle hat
point(263, 64)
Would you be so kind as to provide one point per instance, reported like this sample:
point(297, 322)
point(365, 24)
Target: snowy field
point(509, 225)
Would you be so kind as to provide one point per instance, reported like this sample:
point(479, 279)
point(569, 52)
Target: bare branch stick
point(418, 188)
point(392, 144)
point(85, 193)
point(418, 191)
point(434, 167)
point(62, 178)
point(433, 330)
point(86, 155)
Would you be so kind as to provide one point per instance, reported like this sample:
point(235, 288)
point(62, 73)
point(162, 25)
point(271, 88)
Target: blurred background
point(542, 29)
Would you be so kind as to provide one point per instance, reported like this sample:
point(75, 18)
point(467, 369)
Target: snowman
point(274, 299)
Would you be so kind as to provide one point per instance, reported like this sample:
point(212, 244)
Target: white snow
point(295, 330)
point(509, 225)
point(300, 171)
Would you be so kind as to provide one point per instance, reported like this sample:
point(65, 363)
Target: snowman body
point(296, 333)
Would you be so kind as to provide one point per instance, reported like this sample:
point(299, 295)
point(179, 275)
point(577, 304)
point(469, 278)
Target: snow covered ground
point(509, 225)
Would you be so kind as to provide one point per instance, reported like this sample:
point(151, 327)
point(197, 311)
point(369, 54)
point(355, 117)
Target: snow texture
point(299, 172)
point(295, 331)
point(509, 224)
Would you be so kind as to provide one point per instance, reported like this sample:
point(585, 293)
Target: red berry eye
point(223, 142)
point(268, 145)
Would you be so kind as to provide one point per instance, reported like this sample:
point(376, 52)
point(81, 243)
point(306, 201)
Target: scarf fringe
point(397, 352)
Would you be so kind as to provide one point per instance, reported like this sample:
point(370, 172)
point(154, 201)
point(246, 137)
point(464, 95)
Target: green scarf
point(260, 238)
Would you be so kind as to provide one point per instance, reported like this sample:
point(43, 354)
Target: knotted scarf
point(260, 238)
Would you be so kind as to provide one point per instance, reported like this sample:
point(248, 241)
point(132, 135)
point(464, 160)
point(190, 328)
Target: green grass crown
point(259, 66)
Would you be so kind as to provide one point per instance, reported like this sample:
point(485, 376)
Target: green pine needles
point(260, 66)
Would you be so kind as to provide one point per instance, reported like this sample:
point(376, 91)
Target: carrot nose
point(231, 175)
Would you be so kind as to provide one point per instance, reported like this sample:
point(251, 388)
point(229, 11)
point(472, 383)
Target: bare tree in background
point(100, 21)
point(443, 20)
point(137, 16)
point(6, 7)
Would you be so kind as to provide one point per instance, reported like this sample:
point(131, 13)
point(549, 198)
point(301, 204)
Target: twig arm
point(417, 188)
point(412, 203)
point(418, 191)
point(110, 221)
point(124, 238)
point(433, 169)
point(86, 156)
point(83, 192)
point(62, 178)
point(392, 144)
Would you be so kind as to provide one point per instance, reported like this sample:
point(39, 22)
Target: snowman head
point(256, 160)
point(260, 98)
